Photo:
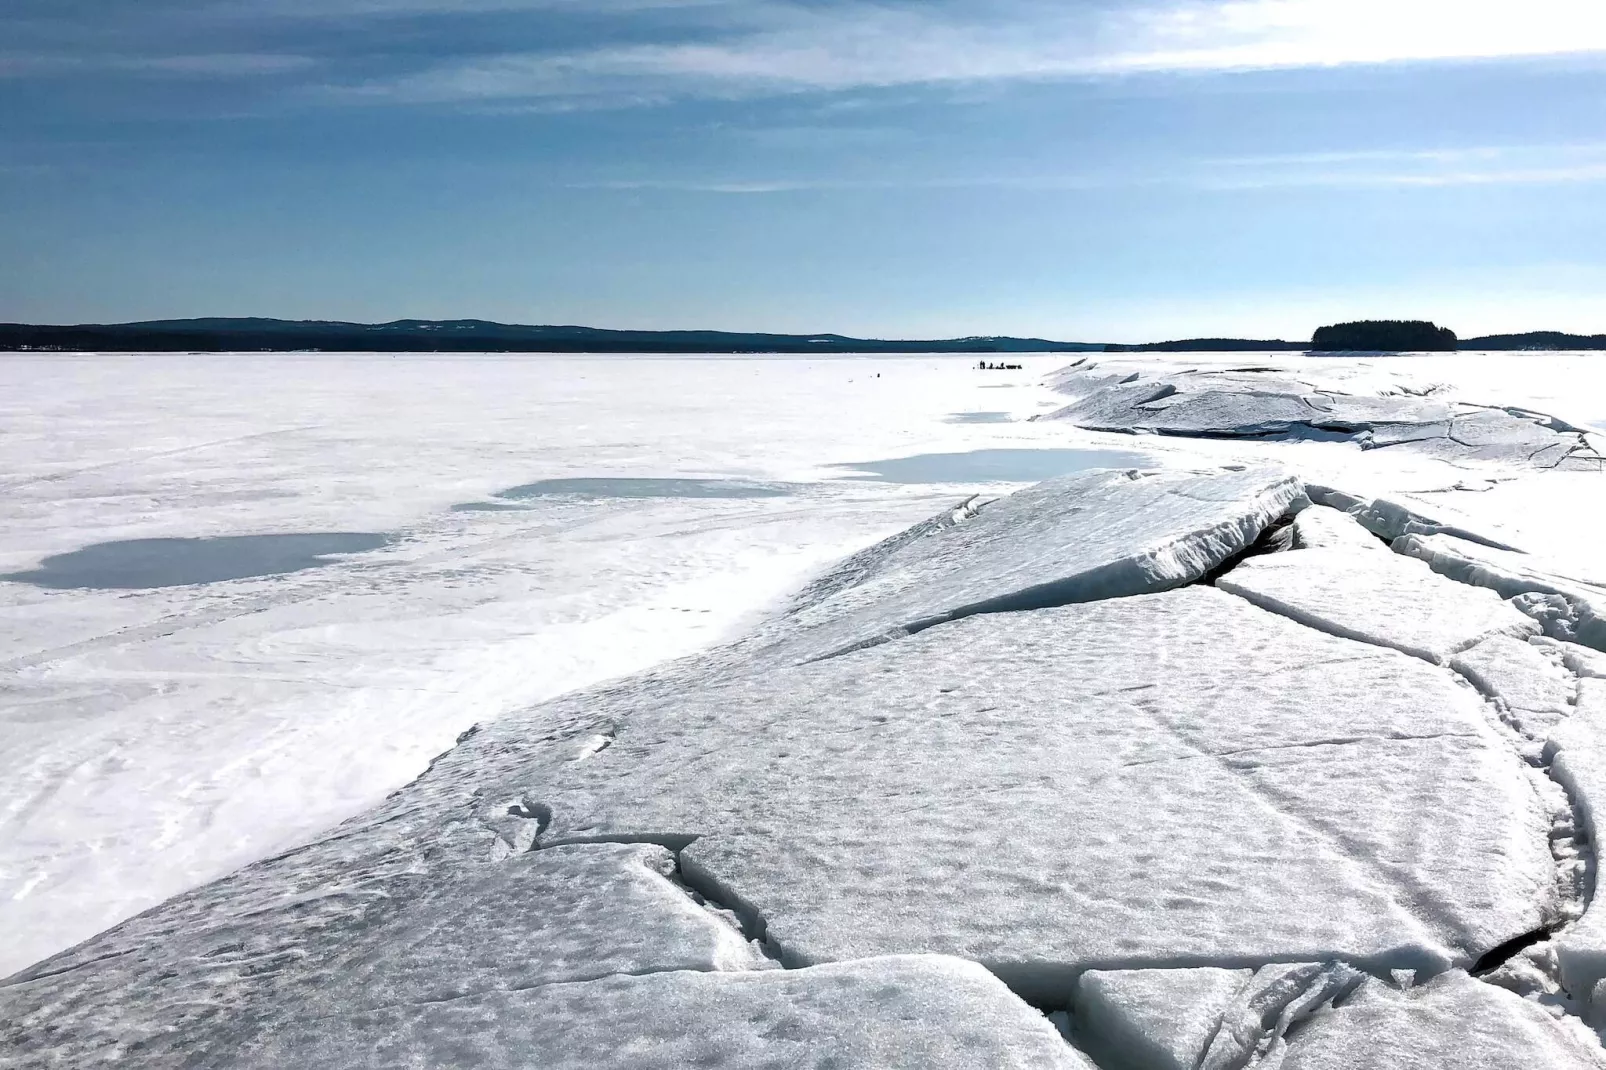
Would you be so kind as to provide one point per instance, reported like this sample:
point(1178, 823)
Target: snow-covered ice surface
point(898, 1013)
point(152, 739)
point(1148, 768)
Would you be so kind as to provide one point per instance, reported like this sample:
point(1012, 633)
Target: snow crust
point(401, 935)
point(1319, 1015)
point(1452, 1021)
point(912, 1012)
point(1386, 599)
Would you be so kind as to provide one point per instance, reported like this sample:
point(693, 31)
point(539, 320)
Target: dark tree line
point(1388, 336)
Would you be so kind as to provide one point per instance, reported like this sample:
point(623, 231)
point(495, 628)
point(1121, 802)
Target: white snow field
point(1271, 733)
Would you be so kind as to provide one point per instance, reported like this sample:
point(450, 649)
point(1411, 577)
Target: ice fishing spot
point(144, 564)
point(994, 466)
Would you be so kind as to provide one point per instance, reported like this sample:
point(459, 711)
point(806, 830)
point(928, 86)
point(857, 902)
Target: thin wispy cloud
point(876, 45)
point(1506, 165)
point(1363, 168)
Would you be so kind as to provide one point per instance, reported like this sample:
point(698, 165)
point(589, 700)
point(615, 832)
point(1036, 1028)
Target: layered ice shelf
point(1125, 781)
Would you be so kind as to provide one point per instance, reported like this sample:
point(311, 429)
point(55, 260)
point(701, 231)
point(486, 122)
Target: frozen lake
point(247, 595)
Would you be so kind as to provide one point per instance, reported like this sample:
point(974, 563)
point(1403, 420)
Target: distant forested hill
point(1210, 345)
point(472, 336)
point(1536, 340)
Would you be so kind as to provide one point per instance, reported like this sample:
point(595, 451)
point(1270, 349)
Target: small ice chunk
point(1322, 528)
point(1256, 1024)
point(1536, 691)
point(1382, 599)
point(896, 1013)
point(1153, 1019)
point(1452, 1021)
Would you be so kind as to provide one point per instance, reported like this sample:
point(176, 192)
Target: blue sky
point(1083, 169)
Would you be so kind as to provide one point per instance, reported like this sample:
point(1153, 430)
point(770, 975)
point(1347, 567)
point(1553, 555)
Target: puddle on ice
point(142, 564)
point(626, 487)
point(977, 418)
point(994, 466)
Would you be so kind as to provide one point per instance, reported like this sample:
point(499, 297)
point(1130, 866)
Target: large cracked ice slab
point(1127, 397)
point(918, 1013)
point(1090, 536)
point(1171, 779)
point(564, 915)
point(1384, 599)
point(1451, 1021)
point(1319, 1016)
point(1567, 599)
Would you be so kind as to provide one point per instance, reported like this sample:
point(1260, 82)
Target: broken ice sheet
point(896, 1013)
point(1535, 691)
point(1319, 1017)
point(1451, 1021)
point(1164, 779)
point(1097, 535)
point(562, 915)
point(1384, 599)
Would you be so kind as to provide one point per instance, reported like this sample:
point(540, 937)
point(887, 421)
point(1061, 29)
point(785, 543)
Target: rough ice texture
point(1256, 1025)
point(1169, 780)
point(1166, 780)
point(1578, 747)
point(1095, 535)
point(1153, 1019)
point(1126, 396)
point(1387, 600)
point(1535, 692)
point(1322, 528)
point(1319, 1017)
point(409, 937)
point(1570, 609)
point(1452, 1021)
point(914, 1012)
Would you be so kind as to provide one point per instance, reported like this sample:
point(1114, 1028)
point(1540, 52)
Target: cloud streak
point(876, 45)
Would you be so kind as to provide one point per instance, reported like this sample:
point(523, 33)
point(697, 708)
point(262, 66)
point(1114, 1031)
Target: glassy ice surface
point(145, 564)
point(620, 487)
point(979, 418)
point(994, 466)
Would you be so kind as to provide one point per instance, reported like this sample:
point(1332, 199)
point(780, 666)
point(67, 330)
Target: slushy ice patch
point(994, 466)
point(631, 487)
point(142, 564)
point(978, 418)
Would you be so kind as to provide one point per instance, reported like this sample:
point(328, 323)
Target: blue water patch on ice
point(994, 466)
point(630, 487)
point(144, 564)
point(978, 418)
